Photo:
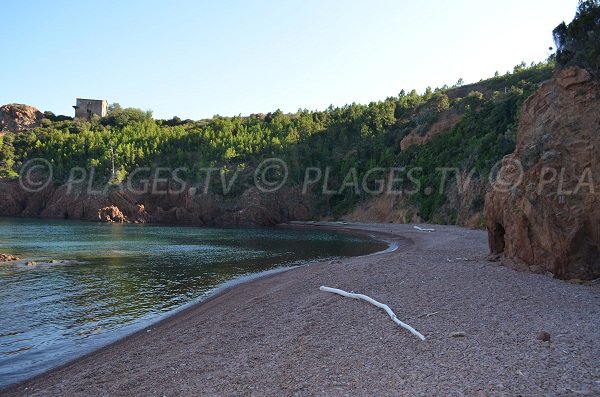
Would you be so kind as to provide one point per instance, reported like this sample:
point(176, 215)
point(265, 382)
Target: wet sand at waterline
point(281, 336)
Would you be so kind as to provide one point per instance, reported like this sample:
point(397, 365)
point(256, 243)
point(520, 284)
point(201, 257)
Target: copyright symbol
point(502, 175)
point(36, 174)
point(270, 175)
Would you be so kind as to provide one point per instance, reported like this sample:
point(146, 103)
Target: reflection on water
point(123, 276)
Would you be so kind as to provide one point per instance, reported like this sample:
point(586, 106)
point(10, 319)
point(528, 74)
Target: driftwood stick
point(423, 230)
point(375, 303)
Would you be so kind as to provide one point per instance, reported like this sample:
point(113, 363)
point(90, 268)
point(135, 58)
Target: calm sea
point(111, 280)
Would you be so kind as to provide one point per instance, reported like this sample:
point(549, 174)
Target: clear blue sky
point(195, 59)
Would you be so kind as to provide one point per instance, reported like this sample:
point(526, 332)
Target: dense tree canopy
point(578, 43)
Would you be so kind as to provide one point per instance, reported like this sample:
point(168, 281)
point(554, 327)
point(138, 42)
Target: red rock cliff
point(543, 212)
point(190, 207)
point(17, 118)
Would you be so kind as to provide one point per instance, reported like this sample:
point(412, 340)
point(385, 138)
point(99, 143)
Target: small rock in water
point(544, 336)
point(457, 334)
point(31, 264)
point(8, 258)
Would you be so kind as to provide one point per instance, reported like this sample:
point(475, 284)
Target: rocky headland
point(543, 213)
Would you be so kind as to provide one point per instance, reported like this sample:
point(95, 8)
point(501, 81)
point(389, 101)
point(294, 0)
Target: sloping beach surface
point(281, 336)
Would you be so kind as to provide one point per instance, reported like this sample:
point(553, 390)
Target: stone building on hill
point(85, 108)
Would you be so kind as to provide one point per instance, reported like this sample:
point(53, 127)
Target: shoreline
point(135, 329)
point(286, 324)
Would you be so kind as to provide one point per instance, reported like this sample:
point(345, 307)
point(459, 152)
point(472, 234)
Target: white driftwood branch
point(424, 230)
point(378, 304)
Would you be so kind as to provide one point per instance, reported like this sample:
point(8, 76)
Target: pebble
point(544, 336)
point(457, 334)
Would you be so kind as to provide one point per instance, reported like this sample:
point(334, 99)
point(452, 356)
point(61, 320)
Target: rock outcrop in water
point(111, 214)
point(15, 117)
point(545, 216)
point(8, 258)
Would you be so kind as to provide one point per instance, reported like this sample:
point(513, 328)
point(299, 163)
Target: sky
point(195, 58)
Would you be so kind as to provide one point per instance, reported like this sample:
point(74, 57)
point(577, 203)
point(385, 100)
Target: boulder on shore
point(111, 214)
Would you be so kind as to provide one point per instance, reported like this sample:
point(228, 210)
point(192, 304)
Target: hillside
point(433, 157)
point(470, 127)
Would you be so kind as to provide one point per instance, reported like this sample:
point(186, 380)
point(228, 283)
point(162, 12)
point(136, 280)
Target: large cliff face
point(543, 212)
point(253, 208)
